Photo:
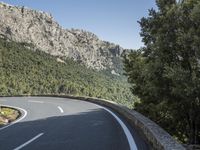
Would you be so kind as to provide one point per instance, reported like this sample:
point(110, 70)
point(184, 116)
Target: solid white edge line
point(16, 121)
point(32, 101)
point(29, 141)
point(61, 110)
point(128, 134)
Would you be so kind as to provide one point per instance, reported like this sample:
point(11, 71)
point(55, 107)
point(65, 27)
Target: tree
point(165, 73)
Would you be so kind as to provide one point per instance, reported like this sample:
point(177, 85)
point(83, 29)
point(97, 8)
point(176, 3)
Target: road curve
point(65, 124)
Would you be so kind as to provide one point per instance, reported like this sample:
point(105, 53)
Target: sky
point(111, 20)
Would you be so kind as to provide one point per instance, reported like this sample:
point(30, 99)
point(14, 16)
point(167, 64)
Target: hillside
point(22, 24)
point(24, 71)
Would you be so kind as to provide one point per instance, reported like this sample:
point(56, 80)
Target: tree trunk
point(193, 127)
point(192, 132)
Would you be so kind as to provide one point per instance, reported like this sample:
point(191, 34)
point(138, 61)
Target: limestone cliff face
point(39, 28)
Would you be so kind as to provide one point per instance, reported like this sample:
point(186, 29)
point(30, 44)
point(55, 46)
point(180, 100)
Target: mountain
point(22, 24)
point(24, 71)
point(38, 56)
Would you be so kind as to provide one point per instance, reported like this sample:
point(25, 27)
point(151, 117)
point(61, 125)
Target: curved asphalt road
point(64, 124)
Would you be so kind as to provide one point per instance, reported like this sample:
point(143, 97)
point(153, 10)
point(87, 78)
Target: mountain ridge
point(23, 24)
point(24, 71)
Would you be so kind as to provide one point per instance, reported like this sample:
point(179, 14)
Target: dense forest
point(165, 73)
point(25, 70)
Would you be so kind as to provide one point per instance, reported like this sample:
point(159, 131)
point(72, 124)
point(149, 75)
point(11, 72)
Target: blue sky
point(110, 20)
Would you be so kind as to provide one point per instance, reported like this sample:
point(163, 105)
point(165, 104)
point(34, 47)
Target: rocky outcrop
point(21, 24)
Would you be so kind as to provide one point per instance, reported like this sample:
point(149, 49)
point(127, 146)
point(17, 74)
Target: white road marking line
point(129, 136)
point(29, 141)
point(61, 110)
point(32, 101)
point(16, 121)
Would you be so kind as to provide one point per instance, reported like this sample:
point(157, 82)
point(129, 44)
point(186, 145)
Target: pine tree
point(165, 73)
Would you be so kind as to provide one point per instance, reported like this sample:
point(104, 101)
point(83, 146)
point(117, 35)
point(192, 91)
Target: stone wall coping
point(157, 137)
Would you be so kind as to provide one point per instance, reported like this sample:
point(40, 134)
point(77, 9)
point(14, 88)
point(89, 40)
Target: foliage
point(165, 73)
point(24, 71)
point(7, 115)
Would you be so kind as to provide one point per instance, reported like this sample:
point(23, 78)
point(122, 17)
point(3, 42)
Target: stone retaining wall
point(158, 138)
point(155, 135)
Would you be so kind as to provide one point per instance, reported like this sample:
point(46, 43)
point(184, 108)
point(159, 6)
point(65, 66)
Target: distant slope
point(24, 71)
point(22, 24)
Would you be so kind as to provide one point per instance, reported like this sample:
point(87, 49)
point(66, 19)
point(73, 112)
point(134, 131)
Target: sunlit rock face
point(21, 24)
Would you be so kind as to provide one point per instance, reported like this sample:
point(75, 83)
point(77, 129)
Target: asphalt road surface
point(64, 124)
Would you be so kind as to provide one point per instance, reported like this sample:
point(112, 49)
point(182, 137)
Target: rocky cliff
point(21, 24)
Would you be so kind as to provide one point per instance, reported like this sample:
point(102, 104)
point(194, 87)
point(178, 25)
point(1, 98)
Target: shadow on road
point(92, 130)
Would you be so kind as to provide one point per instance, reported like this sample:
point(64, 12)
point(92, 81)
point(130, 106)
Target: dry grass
point(7, 115)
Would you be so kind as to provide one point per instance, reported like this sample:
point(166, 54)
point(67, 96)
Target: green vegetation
point(165, 74)
point(7, 115)
point(24, 71)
